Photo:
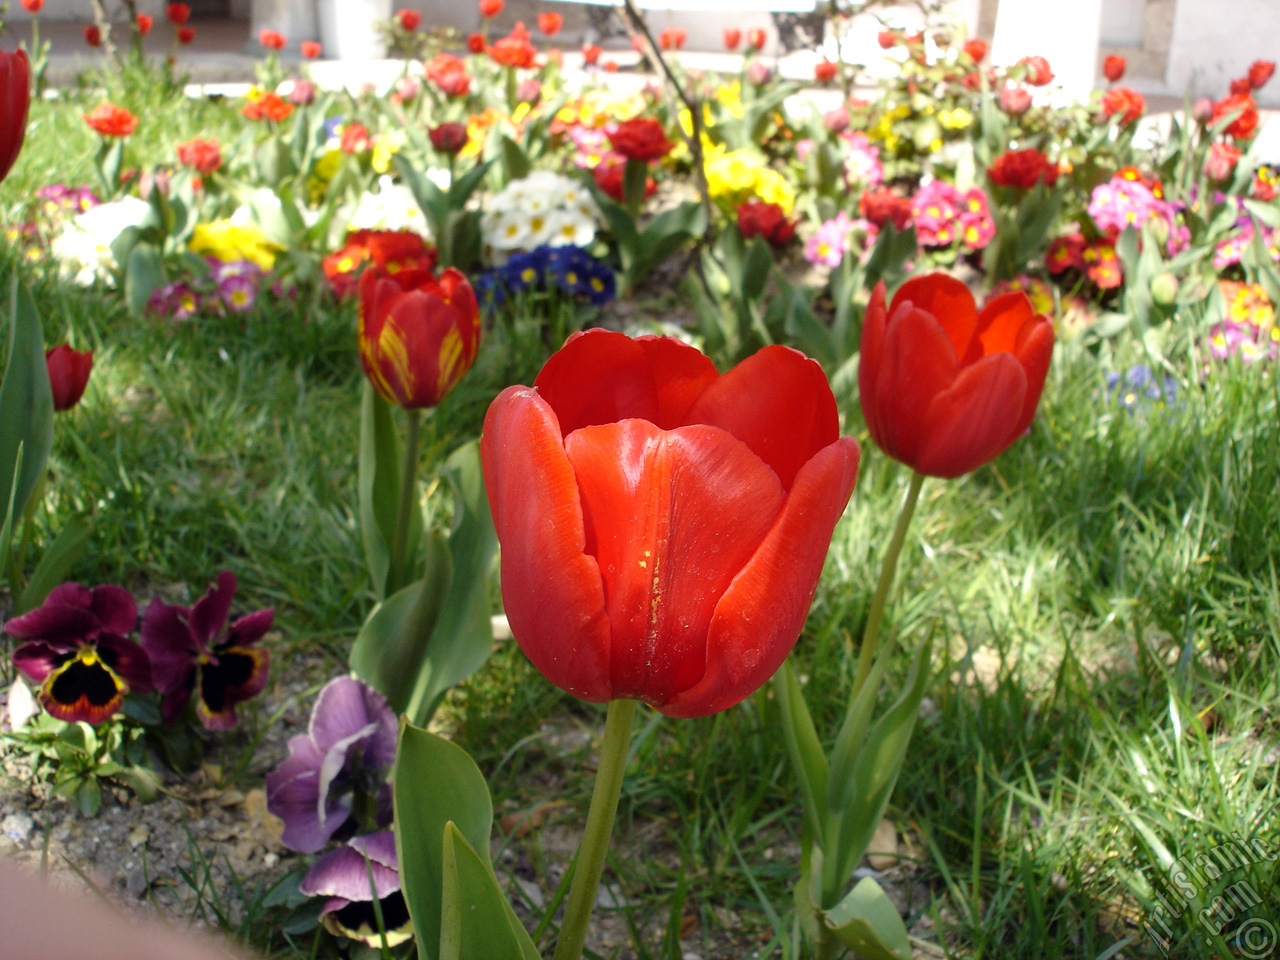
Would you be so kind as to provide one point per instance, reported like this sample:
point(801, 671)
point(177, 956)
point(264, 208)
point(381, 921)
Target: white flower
point(570, 227)
point(83, 246)
point(542, 208)
point(390, 207)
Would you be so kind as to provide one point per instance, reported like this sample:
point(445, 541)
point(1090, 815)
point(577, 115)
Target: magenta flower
point(191, 657)
point(341, 763)
point(78, 653)
point(828, 246)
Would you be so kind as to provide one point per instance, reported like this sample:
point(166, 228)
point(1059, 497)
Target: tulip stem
point(888, 567)
point(398, 573)
point(595, 838)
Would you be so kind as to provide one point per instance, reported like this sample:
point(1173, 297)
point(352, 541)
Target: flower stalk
point(589, 865)
point(408, 488)
point(880, 599)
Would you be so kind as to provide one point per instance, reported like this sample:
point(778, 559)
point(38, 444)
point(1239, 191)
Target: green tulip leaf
point(867, 922)
point(804, 748)
point(26, 405)
point(857, 799)
point(515, 162)
point(143, 275)
point(378, 490)
point(55, 563)
point(392, 646)
point(476, 919)
point(436, 785)
point(463, 635)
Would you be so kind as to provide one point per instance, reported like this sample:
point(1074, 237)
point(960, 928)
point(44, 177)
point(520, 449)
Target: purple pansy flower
point(191, 657)
point(78, 651)
point(340, 765)
point(352, 877)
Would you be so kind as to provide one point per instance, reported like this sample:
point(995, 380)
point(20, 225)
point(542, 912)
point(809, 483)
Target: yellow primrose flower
point(227, 241)
point(957, 119)
point(384, 148)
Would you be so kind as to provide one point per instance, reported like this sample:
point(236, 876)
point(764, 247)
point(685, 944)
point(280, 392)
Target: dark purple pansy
point(192, 659)
point(78, 651)
point(353, 877)
point(340, 766)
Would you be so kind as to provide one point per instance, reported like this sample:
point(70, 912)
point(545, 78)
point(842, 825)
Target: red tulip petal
point(778, 403)
point(917, 362)
point(975, 420)
point(949, 301)
point(1001, 323)
point(874, 322)
point(672, 517)
point(552, 591)
point(1034, 348)
point(649, 378)
point(758, 619)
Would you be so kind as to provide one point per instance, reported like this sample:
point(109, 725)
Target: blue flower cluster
point(1140, 388)
point(565, 269)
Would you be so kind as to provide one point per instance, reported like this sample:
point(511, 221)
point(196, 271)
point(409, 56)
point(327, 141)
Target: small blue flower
point(1138, 388)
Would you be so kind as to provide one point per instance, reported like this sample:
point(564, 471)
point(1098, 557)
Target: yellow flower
point(729, 96)
point(384, 148)
point(228, 241)
point(957, 119)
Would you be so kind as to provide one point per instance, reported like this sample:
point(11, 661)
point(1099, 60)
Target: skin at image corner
point(40, 922)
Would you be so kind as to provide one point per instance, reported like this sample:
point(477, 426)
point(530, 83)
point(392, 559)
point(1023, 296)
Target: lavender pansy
point(352, 877)
point(338, 769)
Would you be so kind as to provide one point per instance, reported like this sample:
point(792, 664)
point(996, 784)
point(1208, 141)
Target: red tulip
point(418, 335)
point(15, 98)
point(732, 37)
point(310, 49)
point(755, 39)
point(409, 19)
point(178, 13)
point(1113, 67)
point(945, 388)
point(663, 526)
point(68, 374)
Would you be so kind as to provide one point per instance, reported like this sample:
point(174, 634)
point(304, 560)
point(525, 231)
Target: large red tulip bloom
point(663, 526)
point(945, 388)
point(418, 335)
point(15, 98)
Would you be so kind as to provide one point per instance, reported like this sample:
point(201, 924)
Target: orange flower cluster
point(109, 120)
point(260, 105)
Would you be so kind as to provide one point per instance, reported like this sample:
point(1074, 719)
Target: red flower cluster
point(759, 219)
point(672, 38)
point(883, 206)
point(266, 106)
point(1242, 108)
point(640, 138)
point(610, 176)
point(202, 156)
point(1038, 73)
point(68, 374)
point(515, 49)
point(419, 335)
point(1260, 71)
point(550, 23)
point(1097, 260)
point(976, 49)
point(448, 138)
point(1023, 169)
point(109, 120)
point(386, 253)
point(449, 74)
point(1124, 102)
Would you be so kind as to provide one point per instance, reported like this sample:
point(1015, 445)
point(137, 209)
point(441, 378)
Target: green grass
point(1103, 601)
